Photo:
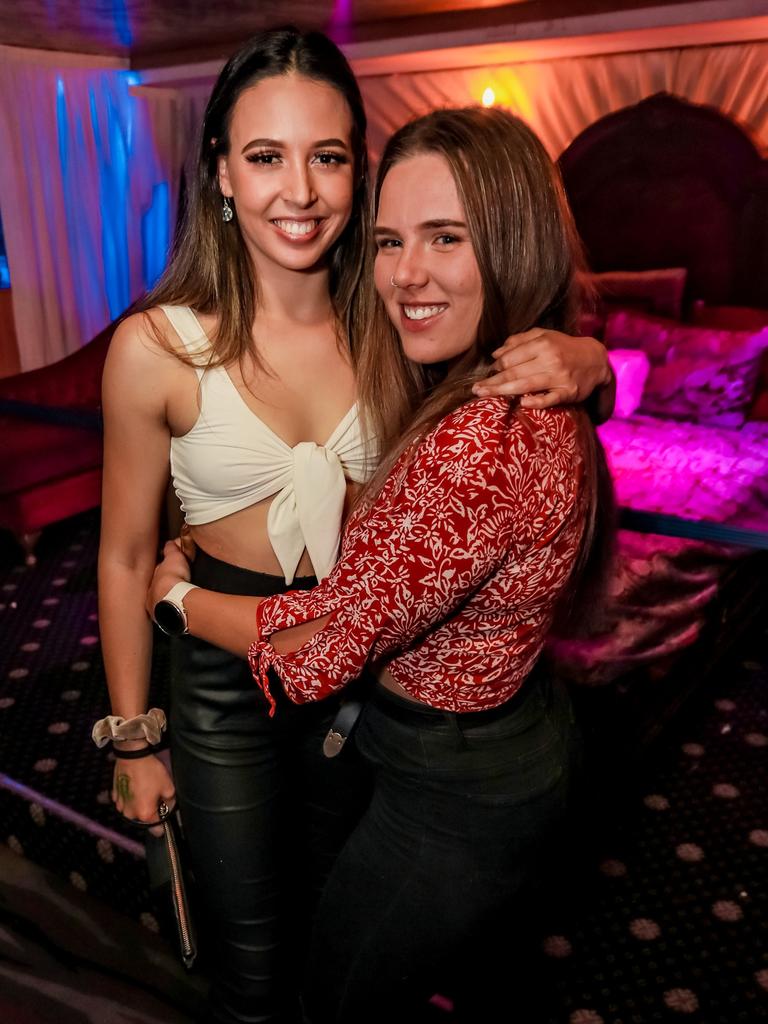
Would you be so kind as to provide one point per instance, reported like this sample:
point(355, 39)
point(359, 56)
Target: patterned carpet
point(672, 923)
point(666, 912)
point(54, 784)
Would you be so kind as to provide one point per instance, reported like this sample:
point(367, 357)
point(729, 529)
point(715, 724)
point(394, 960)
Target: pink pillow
point(626, 328)
point(697, 373)
point(739, 318)
point(631, 367)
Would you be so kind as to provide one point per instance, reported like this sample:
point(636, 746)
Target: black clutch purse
point(166, 872)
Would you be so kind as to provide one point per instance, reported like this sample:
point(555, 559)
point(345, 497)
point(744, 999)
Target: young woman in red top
point(481, 524)
point(240, 378)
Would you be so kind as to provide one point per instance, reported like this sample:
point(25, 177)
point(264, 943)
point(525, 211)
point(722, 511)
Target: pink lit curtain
point(176, 116)
point(560, 98)
point(84, 203)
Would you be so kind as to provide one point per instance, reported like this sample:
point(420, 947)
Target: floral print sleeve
point(439, 561)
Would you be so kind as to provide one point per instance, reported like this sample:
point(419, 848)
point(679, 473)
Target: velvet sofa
point(51, 451)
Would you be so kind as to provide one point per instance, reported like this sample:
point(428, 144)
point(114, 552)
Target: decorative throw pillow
point(738, 318)
point(631, 367)
point(698, 374)
point(627, 328)
point(653, 291)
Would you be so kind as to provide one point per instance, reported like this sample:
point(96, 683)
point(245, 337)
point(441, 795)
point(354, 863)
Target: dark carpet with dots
point(662, 918)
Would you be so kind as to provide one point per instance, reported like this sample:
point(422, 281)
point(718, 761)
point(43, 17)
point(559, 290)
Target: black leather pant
point(264, 812)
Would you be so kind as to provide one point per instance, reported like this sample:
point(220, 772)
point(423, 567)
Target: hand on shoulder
point(545, 368)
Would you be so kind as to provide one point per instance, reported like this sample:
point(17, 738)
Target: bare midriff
point(241, 538)
point(391, 684)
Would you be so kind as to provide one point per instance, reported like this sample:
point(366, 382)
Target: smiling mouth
point(423, 312)
point(297, 228)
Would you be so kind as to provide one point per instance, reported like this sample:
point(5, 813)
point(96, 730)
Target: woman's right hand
point(173, 569)
point(186, 543)
point(138, 786)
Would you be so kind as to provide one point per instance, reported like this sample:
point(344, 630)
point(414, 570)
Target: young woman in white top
point(239, 378)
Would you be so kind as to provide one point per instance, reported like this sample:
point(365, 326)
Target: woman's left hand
point(173, 569)
point(547, 368)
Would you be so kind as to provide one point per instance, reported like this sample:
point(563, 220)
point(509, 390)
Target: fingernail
point(479, 391)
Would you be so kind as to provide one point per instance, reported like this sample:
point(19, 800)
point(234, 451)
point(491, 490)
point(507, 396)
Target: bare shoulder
point(142, 368)
point(145, 339)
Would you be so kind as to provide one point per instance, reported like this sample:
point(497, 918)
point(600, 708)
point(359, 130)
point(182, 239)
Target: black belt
point(411, 713)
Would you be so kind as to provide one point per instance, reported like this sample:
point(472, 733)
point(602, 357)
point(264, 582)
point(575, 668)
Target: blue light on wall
point(122, 23)
point(61, 124)
point(113, 196)
point(155, 234)
point(5, 277)
point(108, 119)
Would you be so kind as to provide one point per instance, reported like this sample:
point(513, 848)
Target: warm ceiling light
point(489, 97)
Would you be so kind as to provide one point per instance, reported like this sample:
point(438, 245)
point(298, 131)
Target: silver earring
point(226, 210)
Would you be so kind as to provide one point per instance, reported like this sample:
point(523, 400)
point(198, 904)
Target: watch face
point(170, 619)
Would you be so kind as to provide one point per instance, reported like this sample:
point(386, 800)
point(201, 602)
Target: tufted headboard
point(667, 183)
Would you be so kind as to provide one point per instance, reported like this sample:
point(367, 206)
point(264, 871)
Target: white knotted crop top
point(231, 459)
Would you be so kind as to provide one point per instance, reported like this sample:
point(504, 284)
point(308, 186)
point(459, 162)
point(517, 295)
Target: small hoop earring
point(226, 210)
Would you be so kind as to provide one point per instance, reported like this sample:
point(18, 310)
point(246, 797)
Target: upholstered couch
point(51, 450)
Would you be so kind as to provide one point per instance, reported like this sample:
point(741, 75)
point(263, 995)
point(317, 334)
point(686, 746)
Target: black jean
point(264, 814)
point(461, 807)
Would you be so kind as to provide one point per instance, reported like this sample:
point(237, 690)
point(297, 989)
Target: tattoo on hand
point(123, 787)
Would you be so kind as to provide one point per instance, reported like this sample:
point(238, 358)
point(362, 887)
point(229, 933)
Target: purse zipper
point(177, 887)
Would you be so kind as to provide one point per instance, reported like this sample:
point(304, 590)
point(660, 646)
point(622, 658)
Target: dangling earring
point(226, 210)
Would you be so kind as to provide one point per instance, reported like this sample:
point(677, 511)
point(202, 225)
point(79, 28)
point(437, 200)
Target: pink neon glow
point(690, 470)
point(340, 24)
point(631, 367)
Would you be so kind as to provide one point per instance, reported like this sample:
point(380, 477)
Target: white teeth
point(296, 227)
point(422, 312)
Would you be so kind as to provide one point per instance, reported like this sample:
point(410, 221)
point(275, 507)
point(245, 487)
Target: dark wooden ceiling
point(153, 32)
point(140, 29)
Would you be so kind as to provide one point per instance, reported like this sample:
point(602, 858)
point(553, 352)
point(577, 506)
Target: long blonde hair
point(529, 258)
point(210, 269)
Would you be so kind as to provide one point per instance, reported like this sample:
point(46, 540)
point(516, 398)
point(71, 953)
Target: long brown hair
point(210, 269)
point(529, 258)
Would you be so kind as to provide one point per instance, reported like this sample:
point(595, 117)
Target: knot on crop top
point(231, 459)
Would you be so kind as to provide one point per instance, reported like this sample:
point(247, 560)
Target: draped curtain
point(89, 172)
point(86, 208)
point(560, 98)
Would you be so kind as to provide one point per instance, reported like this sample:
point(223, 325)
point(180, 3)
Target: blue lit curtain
point(85, 205)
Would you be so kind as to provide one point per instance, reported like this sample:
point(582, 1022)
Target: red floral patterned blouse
point(452, 572)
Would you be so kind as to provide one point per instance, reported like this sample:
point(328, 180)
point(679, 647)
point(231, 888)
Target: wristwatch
point(169, 613)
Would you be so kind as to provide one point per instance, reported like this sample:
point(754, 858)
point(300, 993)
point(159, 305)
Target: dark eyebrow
point(276, 144)
point(272, 143)
point(443, 224)
point(430, 225)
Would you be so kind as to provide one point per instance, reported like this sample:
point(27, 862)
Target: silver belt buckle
point(333, 743)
